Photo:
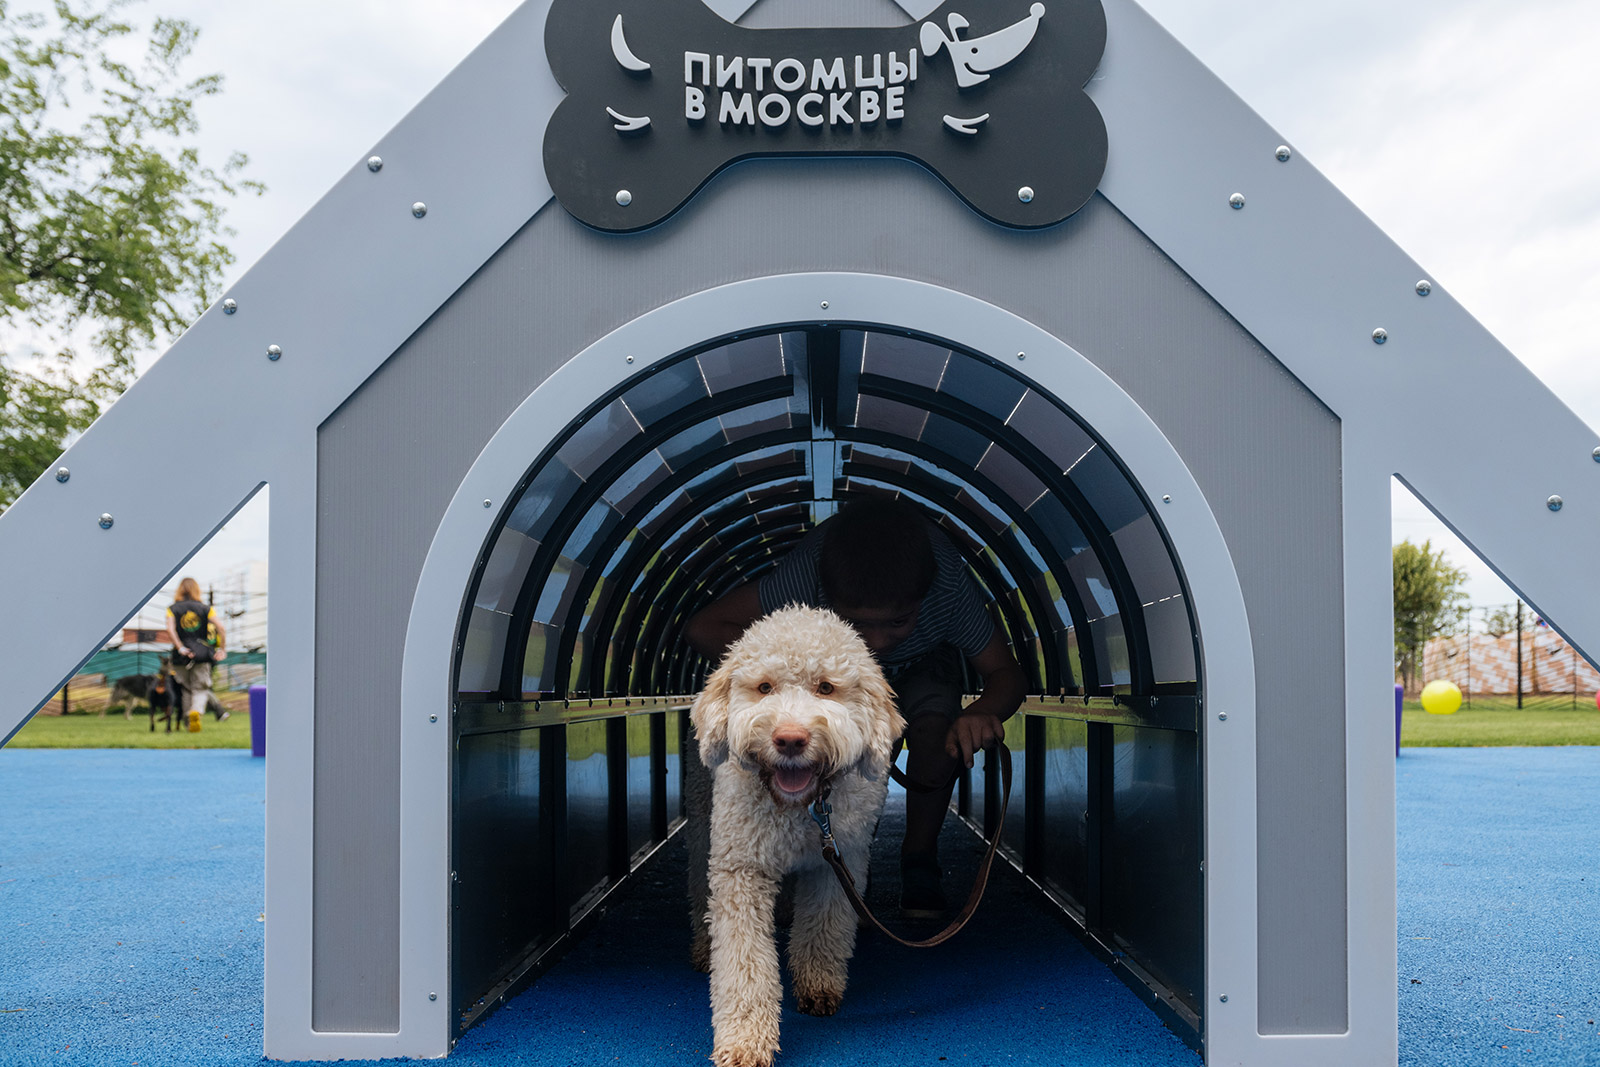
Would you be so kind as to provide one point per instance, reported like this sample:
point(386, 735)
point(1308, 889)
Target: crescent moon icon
point(620, 49)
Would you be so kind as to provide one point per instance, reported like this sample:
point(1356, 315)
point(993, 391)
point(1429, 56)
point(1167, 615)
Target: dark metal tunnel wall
point(696, 478)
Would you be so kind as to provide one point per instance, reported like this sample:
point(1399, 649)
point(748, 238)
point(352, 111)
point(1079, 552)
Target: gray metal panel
point(381, 488)
point(355, 865)
point(1263, 449)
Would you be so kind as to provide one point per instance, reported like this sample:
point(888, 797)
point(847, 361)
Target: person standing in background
point(198, 640)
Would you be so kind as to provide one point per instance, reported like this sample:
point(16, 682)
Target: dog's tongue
point(793, 779)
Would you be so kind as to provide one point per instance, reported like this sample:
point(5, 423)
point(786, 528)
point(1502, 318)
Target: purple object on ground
point(1399, 702)
point(258, 721)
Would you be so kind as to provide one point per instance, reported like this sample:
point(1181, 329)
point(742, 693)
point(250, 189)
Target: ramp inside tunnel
point(696, 478)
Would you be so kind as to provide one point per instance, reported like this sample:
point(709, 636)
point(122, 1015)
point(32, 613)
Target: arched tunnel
point(573, 680)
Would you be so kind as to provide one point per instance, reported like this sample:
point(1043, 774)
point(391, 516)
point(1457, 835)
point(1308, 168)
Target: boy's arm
point(1004, 686)
point(713, 628)
point(222, 639)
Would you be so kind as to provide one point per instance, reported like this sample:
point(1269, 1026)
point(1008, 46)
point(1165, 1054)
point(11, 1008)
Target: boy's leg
point(931, 768)
point(930, 700)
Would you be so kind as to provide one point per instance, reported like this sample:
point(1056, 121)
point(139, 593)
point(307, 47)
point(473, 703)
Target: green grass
point(113, 731)
point(88, 729)
point(1497, 721)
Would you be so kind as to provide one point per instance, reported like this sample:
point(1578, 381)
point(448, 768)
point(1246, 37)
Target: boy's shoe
point(921, 896)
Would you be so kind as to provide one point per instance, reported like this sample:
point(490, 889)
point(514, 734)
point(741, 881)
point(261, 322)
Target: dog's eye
point(764, 687)
point(824, 688)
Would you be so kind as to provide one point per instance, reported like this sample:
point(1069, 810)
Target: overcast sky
point(1468, 129)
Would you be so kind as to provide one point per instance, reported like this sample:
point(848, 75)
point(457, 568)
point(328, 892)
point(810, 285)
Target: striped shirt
point(952, 611)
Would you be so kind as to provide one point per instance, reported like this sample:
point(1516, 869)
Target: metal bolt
point(433, 718)
point(455, 877)
point(1025, 194)
point(1380, 335)
point(1236, 201)
point(419, 209)
point(824, 305)
point(62, 474)
point(1222, 716)
point(433, 996)
point(1554, 504)
point(1223, 998)
point(274, 352)
point(1283, 153)
point(488, 503)
point(106, 520)
point(374, 163)
point(624, 198)
point(1596, 454)
point(1165, 499)
point(1022, 355)
point(1424, 287)
point(630, 359)
point(229, 306)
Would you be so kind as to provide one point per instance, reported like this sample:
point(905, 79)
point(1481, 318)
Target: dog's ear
point(709, 714)
point(885, 727)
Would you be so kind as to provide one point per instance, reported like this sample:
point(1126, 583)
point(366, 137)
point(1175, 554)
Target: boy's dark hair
point(876, 553)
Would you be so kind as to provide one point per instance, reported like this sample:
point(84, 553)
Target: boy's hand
point(970, 733)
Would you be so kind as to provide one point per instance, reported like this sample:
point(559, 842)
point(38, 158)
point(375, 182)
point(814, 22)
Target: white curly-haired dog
point(798, 705)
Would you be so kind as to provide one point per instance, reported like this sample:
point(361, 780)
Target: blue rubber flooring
point(131, 911)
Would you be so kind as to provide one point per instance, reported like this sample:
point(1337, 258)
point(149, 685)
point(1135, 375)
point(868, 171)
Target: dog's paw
point(818, 1001)
point(742, 1057)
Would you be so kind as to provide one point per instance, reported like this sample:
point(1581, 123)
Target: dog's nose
point(791, 740)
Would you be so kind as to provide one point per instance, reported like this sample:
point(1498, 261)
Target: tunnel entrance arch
point(676, 458)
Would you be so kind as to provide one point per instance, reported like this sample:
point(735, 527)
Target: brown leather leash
point(821, 810)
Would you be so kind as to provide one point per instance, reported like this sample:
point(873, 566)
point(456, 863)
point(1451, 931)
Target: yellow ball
point(1441, 698)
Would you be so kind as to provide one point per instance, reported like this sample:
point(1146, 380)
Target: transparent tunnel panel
point(696, 477)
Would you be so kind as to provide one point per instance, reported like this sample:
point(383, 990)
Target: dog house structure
point(544, 373)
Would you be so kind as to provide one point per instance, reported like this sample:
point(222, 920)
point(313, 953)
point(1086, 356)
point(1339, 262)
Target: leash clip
point(820, 810)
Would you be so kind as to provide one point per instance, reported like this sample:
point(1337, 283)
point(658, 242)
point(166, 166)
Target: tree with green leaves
point(110, 222)
point(1500, 621)
point(1428, 602)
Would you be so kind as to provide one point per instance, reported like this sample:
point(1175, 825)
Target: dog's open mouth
point(793, 783)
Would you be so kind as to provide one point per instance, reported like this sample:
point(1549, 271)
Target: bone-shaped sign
point(663, 94)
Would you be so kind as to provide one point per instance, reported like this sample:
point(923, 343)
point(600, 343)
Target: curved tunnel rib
point(589, 504)
point(590, 492)
point(627, 562)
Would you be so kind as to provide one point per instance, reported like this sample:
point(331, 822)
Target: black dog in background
point(157, 690)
